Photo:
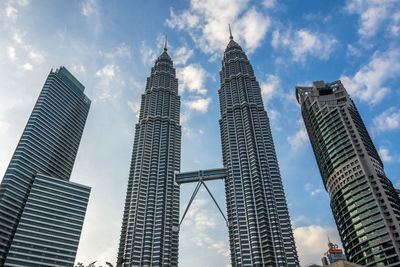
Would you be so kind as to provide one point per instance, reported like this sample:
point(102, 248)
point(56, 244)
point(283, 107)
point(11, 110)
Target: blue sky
point(110, 47)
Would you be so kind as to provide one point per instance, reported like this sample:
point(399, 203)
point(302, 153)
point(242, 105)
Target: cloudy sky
point(110, 47)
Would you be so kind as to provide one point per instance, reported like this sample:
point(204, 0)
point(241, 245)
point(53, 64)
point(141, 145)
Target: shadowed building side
point(47, 148)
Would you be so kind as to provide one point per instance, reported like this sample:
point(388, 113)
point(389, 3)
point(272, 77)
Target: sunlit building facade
point(364, 203)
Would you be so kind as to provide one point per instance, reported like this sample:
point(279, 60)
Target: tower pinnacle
point(165, 43)
point(230, 32)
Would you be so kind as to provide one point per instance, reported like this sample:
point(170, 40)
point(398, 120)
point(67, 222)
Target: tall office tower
point(149, 235)
point(363, 200)
point(41, 212)
point(260, 232)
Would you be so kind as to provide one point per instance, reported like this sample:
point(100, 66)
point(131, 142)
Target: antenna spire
point(230, 32)
point(329, 242)
point(165, 43)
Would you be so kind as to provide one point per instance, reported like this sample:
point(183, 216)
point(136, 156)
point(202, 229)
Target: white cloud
point(120, 51)
point(135, 107)
point(198, 215)
point(11, 53)
point(185, 20)
point(17, 38)
point(199, 104)
point(89, 7)
point(36, 56)
point(11, 12)
point(150, 54)
point(313, 191)
point(27, 66)
point(22, 2)
point(251, 28)
point(107, 75)
point(202, 219)
point(316, 191)
point(373, 14)
point(270, 86)
point(269, 3)
point(299, 220)
point(303, 43)
point(192, 78)
point(181, 55)
point(385, 155)
point(388, 120)
point(78, 68)
point(368, 83)
point(300, 137)
point(204, 240)
point(353, 51)
point(107, 71)
point(192, 133)
point(207, 21)
point(395, 27)
point(273, 114)
point(312, 242)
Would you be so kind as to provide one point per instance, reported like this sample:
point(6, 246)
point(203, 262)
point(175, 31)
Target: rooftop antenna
point(330, 244)
point(165, 43)
point(230, 32)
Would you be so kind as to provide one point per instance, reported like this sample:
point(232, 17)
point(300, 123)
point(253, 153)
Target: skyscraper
point(149, 235)
point(41, 212)
point(260, 232)
point(259, 226)
point(364, 203)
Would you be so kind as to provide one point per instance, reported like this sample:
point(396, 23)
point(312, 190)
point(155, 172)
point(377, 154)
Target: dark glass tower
point(149, 235)
point(364, 203)
point(260, 232)
point(37, 201)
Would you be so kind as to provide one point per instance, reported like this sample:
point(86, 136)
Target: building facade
point(50, 226)
point(364, 203)
point(46, 152)
point(150, 225)
point(334, 254)
point(338, 264)
point(260, 231)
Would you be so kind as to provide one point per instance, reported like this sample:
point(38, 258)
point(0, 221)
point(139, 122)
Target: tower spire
point(165, 43)
point(230, 32)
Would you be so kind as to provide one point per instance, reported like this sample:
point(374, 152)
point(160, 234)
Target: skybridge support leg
point(191, 200)
point(201, 182)
point(216, 203)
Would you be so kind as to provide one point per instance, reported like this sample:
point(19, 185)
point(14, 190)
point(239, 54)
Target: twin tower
point(260, 232)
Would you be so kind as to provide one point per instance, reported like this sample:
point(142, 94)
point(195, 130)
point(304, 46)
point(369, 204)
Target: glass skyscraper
point(149, 235)
point(260, 231)
point(364, 203)
point(41, 212)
